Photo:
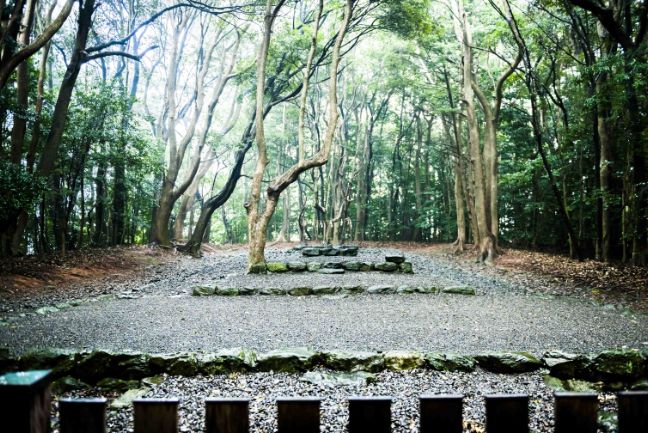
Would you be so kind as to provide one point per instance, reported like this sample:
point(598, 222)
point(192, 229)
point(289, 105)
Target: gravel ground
point(404, 387)
point(507, 314)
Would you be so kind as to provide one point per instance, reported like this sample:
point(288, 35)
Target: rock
point(257, 268)
point(426, 290)
point(117, 385)
point(404, 290)
point(247, 291)
point(331, 271)
point(203, 291)
point(352, 289)
point(311, 252)
point(406, 268)
point(287, 360)
point(381, 289)
point(67, 384)
point(228, 361)
point(153, 380)
point(349, 250)
point(329, 380)
point(618, 364)
point(450, 362)
point(395, 258)
point(325, 290)
point(60, 361)
point(509, 362)
point(351, 266)
point(343, 360)
point(226, 291)
point(331, 252)
point(566, 365)
point(640, 385)
point(46, 310)
point(133, 366)
point(95, 365)
point(386, 267)
point(127, 398)
point(299, 291)
point(400, 360)
point(459, 290)
point(297, 266)
point(313, 266)
point(366, 266)
point(277, 267)
point(177, 364)
point(333, 265)
point(571, 385)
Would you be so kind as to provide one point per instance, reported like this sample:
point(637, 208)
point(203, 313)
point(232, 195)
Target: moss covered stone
point(287, 360)
point(401, 360)
point(344, 360)
point(352, 266)
point(621, 364)
point(406, 268)
point(450, 362)
point(277, 267)
point(297, 266)
point(509, 362)
point(313, 266)
point(325, 290)
point(381, 289)
point(459, 290)
point(227, 291)
point(203, 291)
point(299, 291)
point(386, 267)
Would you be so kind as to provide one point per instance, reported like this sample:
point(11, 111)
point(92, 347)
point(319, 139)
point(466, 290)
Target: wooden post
point(227, 415)
point(633, 412)
point(575, 412)
point(441, 414)
point(507, 413)
point(298, 415)
point(370, 415)
point(156, 415)
point(83, 415)
point(25, 401)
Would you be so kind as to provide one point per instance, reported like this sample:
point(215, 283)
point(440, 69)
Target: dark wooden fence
point(25, 408)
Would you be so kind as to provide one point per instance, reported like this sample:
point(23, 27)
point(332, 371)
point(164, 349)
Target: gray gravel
point(404, 387)
point(440, 323)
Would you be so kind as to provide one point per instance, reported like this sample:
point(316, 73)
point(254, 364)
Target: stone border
point(325, 290)
point(611, 369)
point(339, 267)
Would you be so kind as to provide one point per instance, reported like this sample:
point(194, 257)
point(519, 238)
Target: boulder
point(331, 271)
point(67, 384)
point(297, 266)
point(401, 360)
point(386, 267)
point(344, 360)
point(179, 364)
point(94, 365)
point(277, 267)
point(333, 265)
point(406, 268)
point(567, 365)
point(570, 385)
point(619, 364)
point(227, 291)
point(311, 252)
point(450, 362)
point(325, 290)
point(333, 379)
point(509, 362)
point(287, 360)
point(313, 266)
point(299, 291)
point(203, 291)
point(331, 252)
point(112, 384)
point(366, 266)
point(351, 266)
point(426, 290)
point(352, 289)
point(247, 291)
point(459, 290)
point(60, 361)
point(395, 258)
point(381, 289)
point(404, 290)
point(46, 310)
point(126, 399)
point(257, 268)
point(349, 250)
point(134, 366)
point(227, 361)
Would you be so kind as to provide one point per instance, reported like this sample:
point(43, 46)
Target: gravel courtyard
point(155, 312)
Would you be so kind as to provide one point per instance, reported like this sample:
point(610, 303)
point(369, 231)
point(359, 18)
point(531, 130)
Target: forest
point(485, 124)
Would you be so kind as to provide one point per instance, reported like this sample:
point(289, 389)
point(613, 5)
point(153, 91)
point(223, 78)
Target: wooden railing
point(25, 408)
